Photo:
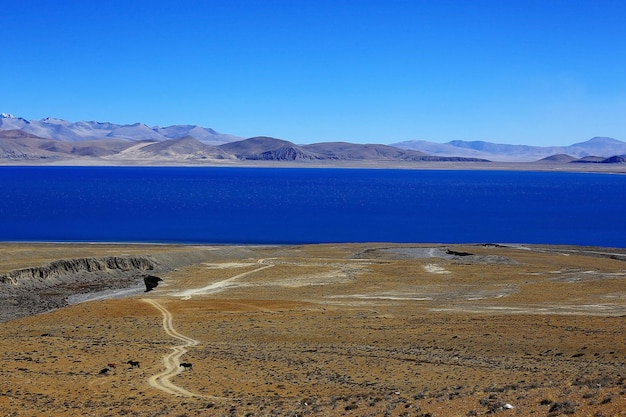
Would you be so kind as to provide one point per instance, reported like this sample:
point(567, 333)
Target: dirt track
point(351, 330)
point(171, 360)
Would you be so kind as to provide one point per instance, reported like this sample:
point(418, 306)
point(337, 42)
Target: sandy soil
point(332, 330)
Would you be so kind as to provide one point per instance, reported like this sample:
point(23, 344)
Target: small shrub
point(607, 399)
point(565, 407)
point(492, 403)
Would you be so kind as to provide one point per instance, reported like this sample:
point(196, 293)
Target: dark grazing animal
point(133, 364)
point(186, 365)
point(151, 282)
point(111, 365)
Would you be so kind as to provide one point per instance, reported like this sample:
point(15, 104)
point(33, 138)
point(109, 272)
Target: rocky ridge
point(42, 288)
point(61, 271)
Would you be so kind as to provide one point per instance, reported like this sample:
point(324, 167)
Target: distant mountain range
point(53, 140)
point(58, 129)
point(598, 146)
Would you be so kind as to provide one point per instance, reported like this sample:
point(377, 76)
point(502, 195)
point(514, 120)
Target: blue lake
point(275, 206)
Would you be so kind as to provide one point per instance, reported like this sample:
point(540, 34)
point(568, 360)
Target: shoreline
point(535, 166)
point(208, 245)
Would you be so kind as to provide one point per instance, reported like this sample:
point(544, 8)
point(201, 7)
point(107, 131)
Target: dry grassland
point(332, 330)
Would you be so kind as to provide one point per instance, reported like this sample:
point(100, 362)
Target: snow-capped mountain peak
point(59, 129)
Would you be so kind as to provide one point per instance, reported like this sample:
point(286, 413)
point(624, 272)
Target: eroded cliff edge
point(71, 270)
point(42, 288)
point(39, 288)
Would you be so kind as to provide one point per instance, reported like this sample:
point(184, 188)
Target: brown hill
point(352, 151)
point(16, 145)
point(589, 160)
point(559, 158)
point(617, 159)
point(186, 148)
point(90, 148)
point(269, 149)
point(16, 134)
point(19, 145)
point(345, 151)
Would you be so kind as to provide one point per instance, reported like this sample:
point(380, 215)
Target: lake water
point(276, 206)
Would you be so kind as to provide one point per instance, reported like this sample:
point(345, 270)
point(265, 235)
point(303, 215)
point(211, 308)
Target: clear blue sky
point(506, 71)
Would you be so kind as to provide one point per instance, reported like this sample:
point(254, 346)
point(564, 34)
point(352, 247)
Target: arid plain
point(326, 330)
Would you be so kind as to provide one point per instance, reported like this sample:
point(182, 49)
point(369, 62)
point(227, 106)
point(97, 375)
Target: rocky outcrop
point(151, 282)
point(264, 148)
point(62, 271)
point(286, 153)
point(43, 288)
point(617, 159)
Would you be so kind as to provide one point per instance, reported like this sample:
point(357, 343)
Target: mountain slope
point(598, 146)
point(16, 145)
point(58, 129)
point(351, 151)
point(559, 158)
point(269, 149)
point(19, 145)
point(203, 134)
point(181, 149)
point(264, 148)
point(356, 152)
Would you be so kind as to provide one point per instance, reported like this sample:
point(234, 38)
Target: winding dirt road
point(171, 361)
point(220, 285)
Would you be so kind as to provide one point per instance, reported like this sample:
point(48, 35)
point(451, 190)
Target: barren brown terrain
point(325, 330)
